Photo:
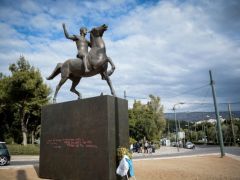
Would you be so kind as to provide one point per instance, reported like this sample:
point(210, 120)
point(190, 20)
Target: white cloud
point(163, 49)
point(30, 7)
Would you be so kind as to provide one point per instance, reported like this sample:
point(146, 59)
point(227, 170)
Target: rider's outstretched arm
point(66, 33)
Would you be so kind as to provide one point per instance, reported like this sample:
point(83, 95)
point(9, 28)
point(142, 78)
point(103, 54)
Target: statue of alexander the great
point(93, 62)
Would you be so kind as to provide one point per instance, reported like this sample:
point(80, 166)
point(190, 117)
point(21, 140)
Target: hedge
point(30, 149)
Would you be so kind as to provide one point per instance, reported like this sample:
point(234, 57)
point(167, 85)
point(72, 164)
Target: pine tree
point(25, 94)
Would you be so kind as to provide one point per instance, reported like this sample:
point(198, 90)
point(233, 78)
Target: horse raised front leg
point(75, 82)
point(106, 77)
point(62, 81)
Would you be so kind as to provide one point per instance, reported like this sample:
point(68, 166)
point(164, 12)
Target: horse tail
point(109, 73)
point(56, 71)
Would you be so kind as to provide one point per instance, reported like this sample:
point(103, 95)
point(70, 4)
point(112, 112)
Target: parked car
point(173, 144)
point(4, 154)
point(190, 145)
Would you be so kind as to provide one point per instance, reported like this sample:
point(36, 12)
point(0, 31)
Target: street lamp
point(175, 118)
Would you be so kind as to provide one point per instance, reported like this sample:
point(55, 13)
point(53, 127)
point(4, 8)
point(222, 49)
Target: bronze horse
point(73, 69)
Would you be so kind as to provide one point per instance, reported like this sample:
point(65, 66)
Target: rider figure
point(82, 44)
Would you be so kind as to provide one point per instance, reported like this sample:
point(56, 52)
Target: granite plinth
point(79, 138)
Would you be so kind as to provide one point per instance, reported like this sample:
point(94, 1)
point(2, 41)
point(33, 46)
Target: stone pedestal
point(79, 138)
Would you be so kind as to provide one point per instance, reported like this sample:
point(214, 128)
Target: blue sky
point(165, 48)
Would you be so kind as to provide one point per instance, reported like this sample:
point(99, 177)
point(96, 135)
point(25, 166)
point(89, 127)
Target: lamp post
point(176, 126)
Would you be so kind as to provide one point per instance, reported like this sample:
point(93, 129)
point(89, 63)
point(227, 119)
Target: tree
point(5, 112)
point(211, 134)
point(237, 130)
point(146, 121)
point(200, 134)
point(26, 93)
point(158, 115)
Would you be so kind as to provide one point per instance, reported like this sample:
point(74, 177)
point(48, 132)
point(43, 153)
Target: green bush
point(30, 149)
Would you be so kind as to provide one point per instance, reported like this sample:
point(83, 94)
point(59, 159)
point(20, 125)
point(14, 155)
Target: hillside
point(197, 116)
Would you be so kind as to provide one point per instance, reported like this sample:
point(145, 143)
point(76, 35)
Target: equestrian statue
point(86, 64)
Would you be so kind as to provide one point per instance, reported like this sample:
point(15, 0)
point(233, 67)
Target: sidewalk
point(164, 150)
point(24, 158)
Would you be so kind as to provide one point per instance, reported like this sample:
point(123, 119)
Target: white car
point(190, 145)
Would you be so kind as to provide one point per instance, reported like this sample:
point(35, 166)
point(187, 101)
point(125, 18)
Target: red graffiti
point(71, 143)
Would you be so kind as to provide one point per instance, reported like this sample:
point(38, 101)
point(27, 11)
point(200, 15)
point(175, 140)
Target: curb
point(17, 167)
point(233, 156)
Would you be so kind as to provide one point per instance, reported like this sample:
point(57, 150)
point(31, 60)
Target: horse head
point(96, 36)
point(98, 31)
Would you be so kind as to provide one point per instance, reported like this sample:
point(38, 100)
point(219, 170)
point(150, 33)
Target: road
point(199, 150)
point(163, 152)
point(22, 161)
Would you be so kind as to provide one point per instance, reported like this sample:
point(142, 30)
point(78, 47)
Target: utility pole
point(168, 130)
point(232, 124)
point(212, 83)
point(196, 138)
